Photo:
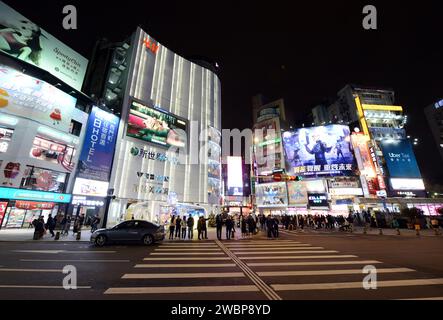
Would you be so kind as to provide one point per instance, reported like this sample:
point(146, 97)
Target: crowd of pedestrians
point(63, 224)
point(183, 228)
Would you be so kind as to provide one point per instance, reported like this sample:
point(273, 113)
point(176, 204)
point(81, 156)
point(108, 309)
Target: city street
point(309, 265)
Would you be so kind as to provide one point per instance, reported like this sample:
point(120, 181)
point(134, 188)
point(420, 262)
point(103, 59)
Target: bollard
point(380, 231)
point(417, 229)
point(57, 235)
point(79, 235)
point(365, 229)
point(398, 231)
point(437, 231)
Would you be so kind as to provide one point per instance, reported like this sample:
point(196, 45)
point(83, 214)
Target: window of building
point(51, 151)
point(44, 180)
point(5, 139)
point(75, 128)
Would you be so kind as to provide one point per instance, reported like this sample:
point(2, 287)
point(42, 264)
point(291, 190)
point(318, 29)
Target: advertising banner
point(317, 200)
point(3, 206)
point(24, 40)
point(156, 126)
point(319, 151)
point(31, 98)
point(297, 192)
point(22, 194)
point(87, 187)
point(235, 176)
point(362, 154)
point(271, 195)
point(400, 159)
point(98, 149)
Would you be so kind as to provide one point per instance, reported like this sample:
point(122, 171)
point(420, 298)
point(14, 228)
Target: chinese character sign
point(98, 149)
point(319, 151)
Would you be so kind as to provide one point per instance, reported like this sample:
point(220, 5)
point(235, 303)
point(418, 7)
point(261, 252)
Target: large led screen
point(319, 151)
point(235, 176)
point(400, 159)
point(156, 126)
point(24, 40)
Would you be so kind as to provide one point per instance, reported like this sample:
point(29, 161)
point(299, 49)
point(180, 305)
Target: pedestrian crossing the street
point(263, 269)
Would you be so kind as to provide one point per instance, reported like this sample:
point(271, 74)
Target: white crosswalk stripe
point(272, 269)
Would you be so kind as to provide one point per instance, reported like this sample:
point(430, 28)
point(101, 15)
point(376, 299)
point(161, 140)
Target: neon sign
point(151, 45)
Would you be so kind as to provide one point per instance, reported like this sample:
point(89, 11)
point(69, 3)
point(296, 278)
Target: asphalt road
point(294, 267)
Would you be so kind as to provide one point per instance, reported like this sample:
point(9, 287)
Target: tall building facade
point(434, 115)
point(43, 118)
point(168, 155)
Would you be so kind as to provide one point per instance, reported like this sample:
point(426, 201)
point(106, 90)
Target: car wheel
point(148, 240)
point(100, 241)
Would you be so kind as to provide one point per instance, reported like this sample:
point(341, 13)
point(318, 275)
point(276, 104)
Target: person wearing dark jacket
point(229, 225)
point(204, 229)
point(50, 225)
point(219, 225)
point(178, 222)
point(275, 227)
point(270, 226)
point(190, 223)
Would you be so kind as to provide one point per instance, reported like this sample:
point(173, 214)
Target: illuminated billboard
point(400, 159)
point(297, 192)
point(319, 151)
point(156, 126)
point(24, 40)
point(31, 98)
point(235, 176)
point(95, 160)
point(272, 195)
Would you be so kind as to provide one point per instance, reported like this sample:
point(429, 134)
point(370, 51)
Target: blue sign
point(98, 148)
point(400, 159)
point(23, 194)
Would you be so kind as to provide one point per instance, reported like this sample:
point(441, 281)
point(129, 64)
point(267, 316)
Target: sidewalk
point(19, 235)
point(373, 231)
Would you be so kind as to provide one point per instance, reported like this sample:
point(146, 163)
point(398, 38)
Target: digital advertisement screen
point(319, 151)
point(318, 200)
point(271, 195)
point(95, 160)
point(400, 159)
point(235, 176)
point(156, 126)
point(297, 192)
point(31, 98)
point(24, 40)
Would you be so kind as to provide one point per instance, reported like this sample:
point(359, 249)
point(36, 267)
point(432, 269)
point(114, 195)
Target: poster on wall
point(271, 195)
point(10, 174)
point(95, 160)
point(24, 40)
point(319, 151)
point(156, 126)
point(297, 192)
point(31, 98)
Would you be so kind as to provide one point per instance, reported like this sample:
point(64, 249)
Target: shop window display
point(54, 152)
point(43, 180)
point(5, 139)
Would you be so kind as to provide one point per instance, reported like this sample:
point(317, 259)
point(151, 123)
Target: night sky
point(301, 52)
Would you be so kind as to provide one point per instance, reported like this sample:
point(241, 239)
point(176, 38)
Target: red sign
point(151, 45)
point(3, 206)
point(30, 205)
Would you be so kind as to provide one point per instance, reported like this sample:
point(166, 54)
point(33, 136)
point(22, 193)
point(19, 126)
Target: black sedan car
point(133, 231)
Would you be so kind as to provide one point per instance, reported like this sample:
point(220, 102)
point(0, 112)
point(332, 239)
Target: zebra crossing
point(256, 269)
